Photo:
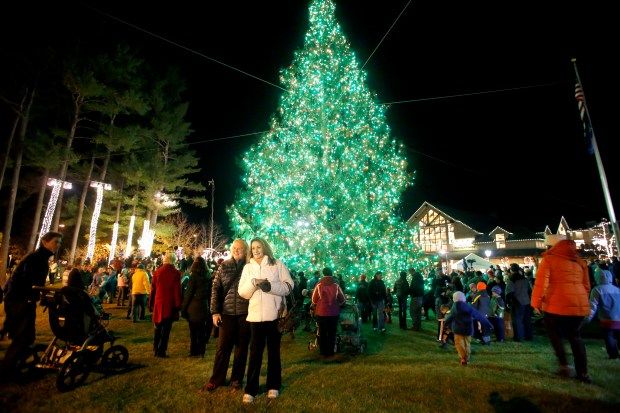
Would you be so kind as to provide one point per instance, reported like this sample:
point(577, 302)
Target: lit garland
point(51, 205)
point(113, 244)
point(132, 222)
point(92, 238)
point(324, 183)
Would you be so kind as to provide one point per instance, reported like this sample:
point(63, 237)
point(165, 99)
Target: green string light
point(324, 183)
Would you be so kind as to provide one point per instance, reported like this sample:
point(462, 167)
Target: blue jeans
point(611, 343)
point(522, 322)
point(378, 317)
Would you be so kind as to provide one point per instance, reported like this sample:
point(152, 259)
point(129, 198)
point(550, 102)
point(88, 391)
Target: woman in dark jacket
point(195, 307)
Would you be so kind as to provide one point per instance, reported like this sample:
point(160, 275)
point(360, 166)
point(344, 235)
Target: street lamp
point(487, 253)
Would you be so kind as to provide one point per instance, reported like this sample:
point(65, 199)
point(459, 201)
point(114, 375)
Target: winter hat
point(458, 296)
point(497, 290)
point(552, 239)
point(481, 286)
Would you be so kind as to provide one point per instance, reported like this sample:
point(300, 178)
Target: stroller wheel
point(115, 357)
point(73, 373)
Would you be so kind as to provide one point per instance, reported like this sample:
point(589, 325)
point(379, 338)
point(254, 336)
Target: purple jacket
point(328, 297)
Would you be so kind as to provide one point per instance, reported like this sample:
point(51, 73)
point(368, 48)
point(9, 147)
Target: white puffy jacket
point(264, 306)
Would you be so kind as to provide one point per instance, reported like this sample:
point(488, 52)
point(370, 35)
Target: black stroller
point(349, 333)
point(80, 338)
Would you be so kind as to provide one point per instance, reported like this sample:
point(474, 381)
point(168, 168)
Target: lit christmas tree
point(322, 186)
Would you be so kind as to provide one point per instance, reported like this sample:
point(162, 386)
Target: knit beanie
point(481, 286)
point(458, 296)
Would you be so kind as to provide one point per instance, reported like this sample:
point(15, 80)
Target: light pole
point(212, 185)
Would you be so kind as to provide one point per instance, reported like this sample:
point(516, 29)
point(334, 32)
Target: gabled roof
point(500, 230)
point(563, 224)
point(547, 230)
point(443, 211)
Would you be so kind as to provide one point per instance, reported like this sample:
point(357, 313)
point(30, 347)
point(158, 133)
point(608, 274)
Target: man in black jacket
point(229, 311)
point(401, 289)
point(20, 301)
point(416, 289)
point(378, 296)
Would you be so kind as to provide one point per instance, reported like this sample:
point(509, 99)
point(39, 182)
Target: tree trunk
point(78, 102)
point(153, 219)
point(78, 222)
point(8, 222)
point(8, 147)
point(37, 213)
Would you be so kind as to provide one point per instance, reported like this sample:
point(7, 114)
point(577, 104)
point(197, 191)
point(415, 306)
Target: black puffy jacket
point(32, 270)
point(224, 296)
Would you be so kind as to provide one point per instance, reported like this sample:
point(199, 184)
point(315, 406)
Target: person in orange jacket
point(561, 292)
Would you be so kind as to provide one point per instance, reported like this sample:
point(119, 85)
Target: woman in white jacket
point(266, 282)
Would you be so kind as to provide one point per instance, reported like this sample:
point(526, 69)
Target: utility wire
point(385, 35)
point(180, 45)
point(471, 93)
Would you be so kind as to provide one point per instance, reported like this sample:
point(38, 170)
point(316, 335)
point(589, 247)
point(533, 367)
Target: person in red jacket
point(561, 291)
point(328, 297)
point(165, 303)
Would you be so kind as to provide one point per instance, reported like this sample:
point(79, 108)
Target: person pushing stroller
point(328, 298)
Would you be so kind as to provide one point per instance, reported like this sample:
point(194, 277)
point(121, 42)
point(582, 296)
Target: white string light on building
point(92, 238)
point(51, 205)
point(132, 222)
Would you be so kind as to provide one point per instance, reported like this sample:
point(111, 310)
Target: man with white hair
point(229, 311)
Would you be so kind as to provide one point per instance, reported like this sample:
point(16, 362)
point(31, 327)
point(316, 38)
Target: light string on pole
point(132, 222)
point(56, 185)
point(92, 238)
point(113, 244)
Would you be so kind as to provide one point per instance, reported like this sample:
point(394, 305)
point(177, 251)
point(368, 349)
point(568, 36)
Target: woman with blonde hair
point(266, 282)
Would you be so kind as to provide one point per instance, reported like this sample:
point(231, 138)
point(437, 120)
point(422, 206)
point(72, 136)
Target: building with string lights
point(453, 235)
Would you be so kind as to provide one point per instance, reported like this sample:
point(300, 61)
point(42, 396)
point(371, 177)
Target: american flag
point(583, 114)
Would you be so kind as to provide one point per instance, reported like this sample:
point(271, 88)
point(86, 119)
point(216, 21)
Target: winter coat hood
point(603, 277)
point(565, 248)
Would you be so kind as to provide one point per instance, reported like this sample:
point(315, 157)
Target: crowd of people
point(241, 299)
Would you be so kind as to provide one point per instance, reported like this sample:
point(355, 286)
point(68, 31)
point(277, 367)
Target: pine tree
point(324, 183)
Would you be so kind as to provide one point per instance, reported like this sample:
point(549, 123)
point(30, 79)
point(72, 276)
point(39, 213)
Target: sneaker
point(272, 394)
point(248, 398)
point(383, 330)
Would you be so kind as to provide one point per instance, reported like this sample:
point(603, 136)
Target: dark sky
point(517, 156)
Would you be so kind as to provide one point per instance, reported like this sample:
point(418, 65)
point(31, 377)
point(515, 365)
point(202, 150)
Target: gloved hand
point(265, 286)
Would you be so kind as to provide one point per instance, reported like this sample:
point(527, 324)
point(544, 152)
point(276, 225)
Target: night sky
point(517, 156)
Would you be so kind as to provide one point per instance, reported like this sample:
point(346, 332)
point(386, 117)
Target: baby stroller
point(349, 333)
point(79, 340)
point(349, 336)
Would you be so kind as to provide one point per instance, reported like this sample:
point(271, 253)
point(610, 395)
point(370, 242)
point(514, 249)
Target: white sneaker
point(272, 394)
point(248, 398)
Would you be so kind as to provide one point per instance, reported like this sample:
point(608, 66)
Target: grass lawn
point(402, 371)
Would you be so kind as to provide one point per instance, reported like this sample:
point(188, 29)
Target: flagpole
point(599, 164)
